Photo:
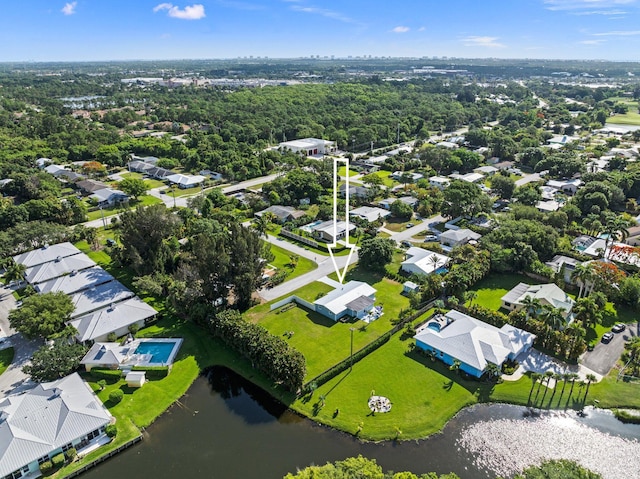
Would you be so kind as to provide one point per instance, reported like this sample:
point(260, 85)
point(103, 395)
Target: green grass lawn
point(342, 171)
point(146, 200)
point(495, 286)
point(283, 260)
point(386, 180)
point(396, 224)
point(151, 183)
point(6, 356)
point(632, 117)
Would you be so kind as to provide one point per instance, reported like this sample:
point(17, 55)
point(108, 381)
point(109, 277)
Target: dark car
point(406, 244)
point(607, 337)
point(618, 328)
point(111, 242)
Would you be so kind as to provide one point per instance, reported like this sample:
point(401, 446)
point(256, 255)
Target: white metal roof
point(424, 260)
point(75, 281)
point(104, 321)
point(336, 301)
point(46, 254)
point(98, 297)
point(53, 269)
point(46, 418)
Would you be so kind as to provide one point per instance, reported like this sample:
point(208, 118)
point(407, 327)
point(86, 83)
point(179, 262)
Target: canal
point(225, 427)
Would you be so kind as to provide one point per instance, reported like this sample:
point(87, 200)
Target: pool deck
point(124, 356)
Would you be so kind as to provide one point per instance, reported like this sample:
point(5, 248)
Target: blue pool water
point(442, 270)
point(160, 351)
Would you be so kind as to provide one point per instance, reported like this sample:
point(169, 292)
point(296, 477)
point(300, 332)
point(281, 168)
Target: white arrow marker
point(334, 244)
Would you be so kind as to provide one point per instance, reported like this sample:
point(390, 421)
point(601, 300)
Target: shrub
point(57, 460)
point(72, 454)
point(46, 467)
point(116, 396)
point(134, 328)
point(112, 338)
point(102, 384)
point(111, 430)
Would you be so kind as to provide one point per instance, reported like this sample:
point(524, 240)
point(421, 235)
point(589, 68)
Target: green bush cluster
point(153, 372)
point(116, 396)
point(58, 460)
point(270, 354)
point(626, 417)
point(45, 467)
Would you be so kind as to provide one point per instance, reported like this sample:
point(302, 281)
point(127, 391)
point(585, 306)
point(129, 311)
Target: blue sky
point(51, 30)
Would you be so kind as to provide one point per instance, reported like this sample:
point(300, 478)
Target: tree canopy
point(42, 315)
point(53, 362)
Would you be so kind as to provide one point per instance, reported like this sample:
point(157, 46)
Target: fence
point(103, 458)
point(301, 239)
point(333, 371)
point(294, 299)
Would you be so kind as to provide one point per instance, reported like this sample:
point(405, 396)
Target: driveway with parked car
point(606, 353)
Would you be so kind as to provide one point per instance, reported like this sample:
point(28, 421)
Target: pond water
point(225, 427)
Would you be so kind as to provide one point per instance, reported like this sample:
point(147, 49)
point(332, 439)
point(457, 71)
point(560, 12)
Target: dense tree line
point(267, 353)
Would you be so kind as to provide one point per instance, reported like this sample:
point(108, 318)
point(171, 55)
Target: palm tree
point(261, 224)
point(492, 370)
point(616, 228)
point(455, 366)
point(534, 379)
point(554, 318)
point(573, 378)
point(434, 260)
point(532, 305)
point(586, 310)
point(590, 379)
point(582, 275)
point(15, 272)
point(470, 296)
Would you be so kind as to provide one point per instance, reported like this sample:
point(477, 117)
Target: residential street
point(418, 228)
point(13, 380)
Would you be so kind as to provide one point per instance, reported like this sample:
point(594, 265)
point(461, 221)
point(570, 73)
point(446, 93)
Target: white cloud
point(190, 12)
point(591, 5)
point(611, 13)
point(322, 12)
point(618, 33)
point(487, 42)
point(591, 42)
point(400, 29)
point(69, 8)
point(422, 29)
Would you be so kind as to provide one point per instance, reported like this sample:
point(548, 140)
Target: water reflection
point(225, 427)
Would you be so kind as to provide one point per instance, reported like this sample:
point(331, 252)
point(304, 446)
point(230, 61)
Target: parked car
point(410, 225)
point(430, 238)
point(111, 242)
point(607, 337)
point(18, 304)
point(618, 328)
point(406, 244)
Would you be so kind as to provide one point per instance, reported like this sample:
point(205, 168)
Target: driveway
point(604, 356)
point(423, 225)
point(537, 362)
point(13, 380)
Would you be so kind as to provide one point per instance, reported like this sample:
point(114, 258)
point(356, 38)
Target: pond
point(225, 427)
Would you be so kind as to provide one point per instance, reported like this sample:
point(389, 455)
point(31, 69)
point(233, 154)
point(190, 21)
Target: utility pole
point(351, 355)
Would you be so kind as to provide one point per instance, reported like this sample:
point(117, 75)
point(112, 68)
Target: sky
point(85, 30)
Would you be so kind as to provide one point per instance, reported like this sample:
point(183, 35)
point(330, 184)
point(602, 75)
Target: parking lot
point(605, 355)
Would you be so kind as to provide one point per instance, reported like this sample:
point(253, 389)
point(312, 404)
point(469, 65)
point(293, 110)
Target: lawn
point(632, 117)
point(6, 356)
point(146, 200)
point(283, 259)
point(325, 342)
point(342, 171)
point(397, 224)
point(151, 183)
point(495, 286)
point(386, 180)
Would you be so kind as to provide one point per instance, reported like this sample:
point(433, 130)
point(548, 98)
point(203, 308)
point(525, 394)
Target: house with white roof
point(109, 197)
point(566, 265)
point(411, 175)
point(309, 146)
point(469, 177)
point(282, 213)
point(548, 206)
point(185, 181)
point(116, 318)
point(474, 343)
point(58, 267)
point(439, 182)
point(421, 261)
point(408, 200)
point(458, 237)
point(53, 169)
point(45, 254)
point(75, 281)
point(566, 186)
point(547, 294)
point(98, 297)
point(358, 191)
point(47, 420)
point(354, 298)
point(325, 231)
point(487, 170)
point(369, 213)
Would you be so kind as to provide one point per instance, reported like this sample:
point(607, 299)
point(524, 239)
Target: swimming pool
point(162, 352)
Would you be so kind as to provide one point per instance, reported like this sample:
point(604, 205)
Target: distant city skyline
point(85, 30)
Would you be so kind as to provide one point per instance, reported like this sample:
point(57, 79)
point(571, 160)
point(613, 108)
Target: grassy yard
point(342, 171)
point(146, 200)
point(283, 260)
point(386, 180)
point(396, 224)
point(632, 117)
point(6, 356)
point(151, 183)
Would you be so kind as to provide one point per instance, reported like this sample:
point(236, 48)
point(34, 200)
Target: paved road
point(604, 356)
point(13, 380)
point(528, 179)
point(324, 268)
point(418, 228)
point(181, 201)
